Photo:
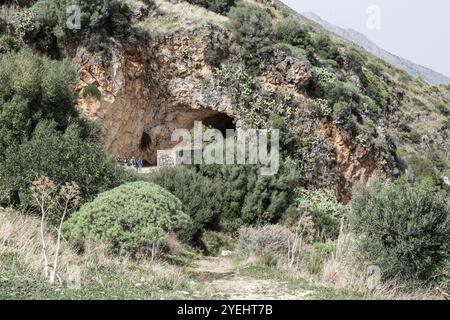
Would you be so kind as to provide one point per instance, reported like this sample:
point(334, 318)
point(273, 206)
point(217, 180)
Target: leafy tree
point(252, 28)
point(131, 219)
point(403, 228)
point(33, 89)
point(74, 155)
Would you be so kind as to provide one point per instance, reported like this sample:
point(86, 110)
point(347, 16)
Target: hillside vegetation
point(359, 208)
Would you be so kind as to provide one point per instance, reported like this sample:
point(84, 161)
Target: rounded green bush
point(130, 219)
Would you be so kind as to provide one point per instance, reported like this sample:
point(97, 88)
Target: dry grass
point(344, 270)
point(180, 18)
point(19, 236)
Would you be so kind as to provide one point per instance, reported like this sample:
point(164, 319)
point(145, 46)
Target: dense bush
point(326, 213)
point(343, 116)
point(248, 198)
point(75, 155)
point(131, 219)
point(21, 3)
point(45, 23)
point(201, 197)
point(33, 89)
point(252, 29)
point(403, 228)
point(423, 168)
point(291, 31)
point(326, 48)
point(9, 44)
point(355, 60)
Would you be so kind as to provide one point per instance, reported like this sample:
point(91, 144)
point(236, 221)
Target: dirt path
point(222, 281)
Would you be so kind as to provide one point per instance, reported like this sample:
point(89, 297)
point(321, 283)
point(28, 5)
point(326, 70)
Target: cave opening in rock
point(158, 136)
point(220, 121)
point(145, 142)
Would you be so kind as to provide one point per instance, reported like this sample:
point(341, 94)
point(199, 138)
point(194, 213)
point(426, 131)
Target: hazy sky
point(418, 30)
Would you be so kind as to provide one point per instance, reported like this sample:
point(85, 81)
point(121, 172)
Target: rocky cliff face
point(151, 90)
point(167, 83)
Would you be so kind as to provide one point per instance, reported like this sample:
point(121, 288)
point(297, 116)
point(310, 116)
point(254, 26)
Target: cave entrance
point(220, 121)
point(158, 136)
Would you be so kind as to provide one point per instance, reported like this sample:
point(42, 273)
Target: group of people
point(133, 163)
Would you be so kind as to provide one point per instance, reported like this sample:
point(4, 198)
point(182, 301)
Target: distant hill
point(361, 40)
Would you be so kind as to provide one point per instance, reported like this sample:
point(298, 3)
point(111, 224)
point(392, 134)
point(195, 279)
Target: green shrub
point(376, 68)
point(291, 31)
point(21, 3)
point(405, 229)
point(318, 108)
point(252, 29)
point(326, 212)
point(45, 23)
point(315, 258)
point(200, 196)
point(9, 44)
point(131, 219)
point(92, 91)
point(215, 242)
point(355, 60)
point(443, 109)
point(326, 48)
point(343, 116)
point(423, 168)
point(414, 136)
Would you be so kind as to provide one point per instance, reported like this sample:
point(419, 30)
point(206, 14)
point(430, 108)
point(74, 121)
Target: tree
point(33, 89)
point(77, 154)
point(403, 228)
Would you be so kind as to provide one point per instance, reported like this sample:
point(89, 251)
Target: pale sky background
point(418, 30)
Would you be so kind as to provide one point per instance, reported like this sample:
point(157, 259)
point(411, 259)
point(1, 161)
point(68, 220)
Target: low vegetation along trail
point(221, 280)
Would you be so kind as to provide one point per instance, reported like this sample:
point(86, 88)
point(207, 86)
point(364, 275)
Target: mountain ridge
point(356, 37)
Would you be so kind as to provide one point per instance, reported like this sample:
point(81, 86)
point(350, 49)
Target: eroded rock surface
point(149, 91)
